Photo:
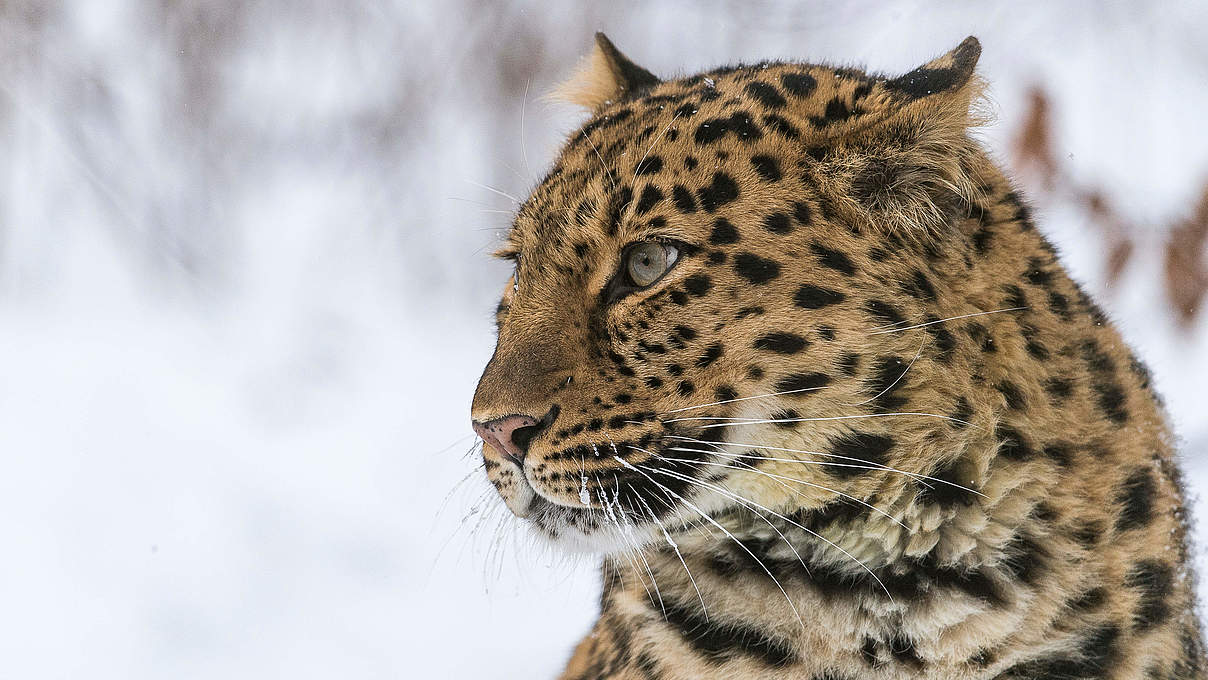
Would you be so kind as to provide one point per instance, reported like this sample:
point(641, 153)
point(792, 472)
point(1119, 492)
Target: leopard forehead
point(669, 160)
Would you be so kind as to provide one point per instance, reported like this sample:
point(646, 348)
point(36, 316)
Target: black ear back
point(947, 73)
point(630, 77)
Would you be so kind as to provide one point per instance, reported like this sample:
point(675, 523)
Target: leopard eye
point(646, 262)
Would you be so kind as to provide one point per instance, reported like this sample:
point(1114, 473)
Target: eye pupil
point(648, 261)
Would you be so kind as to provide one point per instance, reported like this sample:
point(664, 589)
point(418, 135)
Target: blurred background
point(245, 296)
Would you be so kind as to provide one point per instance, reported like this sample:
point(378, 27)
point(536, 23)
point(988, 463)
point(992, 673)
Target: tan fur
point(1028, 519)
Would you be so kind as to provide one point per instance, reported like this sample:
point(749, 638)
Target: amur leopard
point(784, 346)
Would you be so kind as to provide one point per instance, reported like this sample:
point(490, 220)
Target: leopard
point(785, 351)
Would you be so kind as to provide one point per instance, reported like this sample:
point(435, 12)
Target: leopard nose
point(509, 435)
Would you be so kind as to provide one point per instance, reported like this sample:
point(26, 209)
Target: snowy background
point(244, 298)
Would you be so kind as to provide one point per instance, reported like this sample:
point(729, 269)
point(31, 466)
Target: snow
point(245, 297)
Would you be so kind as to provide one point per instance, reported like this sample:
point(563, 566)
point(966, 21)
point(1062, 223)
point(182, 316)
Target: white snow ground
point(244, 301)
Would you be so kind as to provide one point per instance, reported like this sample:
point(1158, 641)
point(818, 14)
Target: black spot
point(1087, 533)
point(963, 412)
point(781, 126)
point(1059, 388)
point(678, 296)
point(684, 201)
point(1014, 396)
point(781, 343)
point(739, 123)
point(799, 382)
point(809, 296)
point(649, 165)
point(1155, 582)
point(836, 111)
point(720, 641)
point(723, 232)
point(1110, 397)
point(675, 369)
point(755, 269)
point(858, 449)
point(722, 190)
point(622, 200)
point(685, 332)
point(785, 419)
point(743, 313)
point(767, 167)
point(686, 388)
point(765, 94)
point(884, 313)
point(1136, 498)
point(698, 284)
point(754, 373)
point(778, 223)
point(833, 259)
point(920, 286)
point(849, 363)
point(1015, 297)
point(725, 393)
point(888, 373)
point(650, 196)
point(717, 257)
point(1089, 601)
point(653, 382)
point(1059, 452)
point(946, 488)
point(1012, 444)
point(944, 340)
point(902, 649)
point(712, 353)
point(801, 212)
point(826, 332)
point(798, 84)
point(1096, 654)
point(1025, 559)
point(1036, 274)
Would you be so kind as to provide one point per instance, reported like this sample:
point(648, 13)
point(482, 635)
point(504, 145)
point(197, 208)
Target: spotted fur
point(866, 426)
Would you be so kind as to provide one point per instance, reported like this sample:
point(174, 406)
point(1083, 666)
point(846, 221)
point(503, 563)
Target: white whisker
point(951, 318)
point(731, 401)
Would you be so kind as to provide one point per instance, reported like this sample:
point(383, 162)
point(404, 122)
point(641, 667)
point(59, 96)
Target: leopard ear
point(947, 74)
point(605, 76)
point(911, 170)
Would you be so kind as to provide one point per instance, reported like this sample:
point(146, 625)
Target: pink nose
point(508, 436)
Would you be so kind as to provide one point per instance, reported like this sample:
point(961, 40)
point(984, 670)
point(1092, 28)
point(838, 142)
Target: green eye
point(648, 261)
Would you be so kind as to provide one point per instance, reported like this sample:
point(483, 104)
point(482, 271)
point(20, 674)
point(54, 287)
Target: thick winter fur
point(866, 427)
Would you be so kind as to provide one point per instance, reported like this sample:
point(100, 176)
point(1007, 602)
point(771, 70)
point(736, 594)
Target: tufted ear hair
point(604, 76)
point(911, 170)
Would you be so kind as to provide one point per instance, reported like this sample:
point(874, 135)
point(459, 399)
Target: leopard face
point(726, 270)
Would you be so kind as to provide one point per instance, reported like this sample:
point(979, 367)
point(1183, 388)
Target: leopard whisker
point(813, 533)
point(675, 547)
point(886, 468)
point(891, 385)
point(772, 475)
point(612, 517)
point(642, 555)
point(951, 318)
point(731, 401)
point(493, 190)
point(764, 421)
point(715, 523)
point(637, 168)
point(603, 165)
point(524, 105)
